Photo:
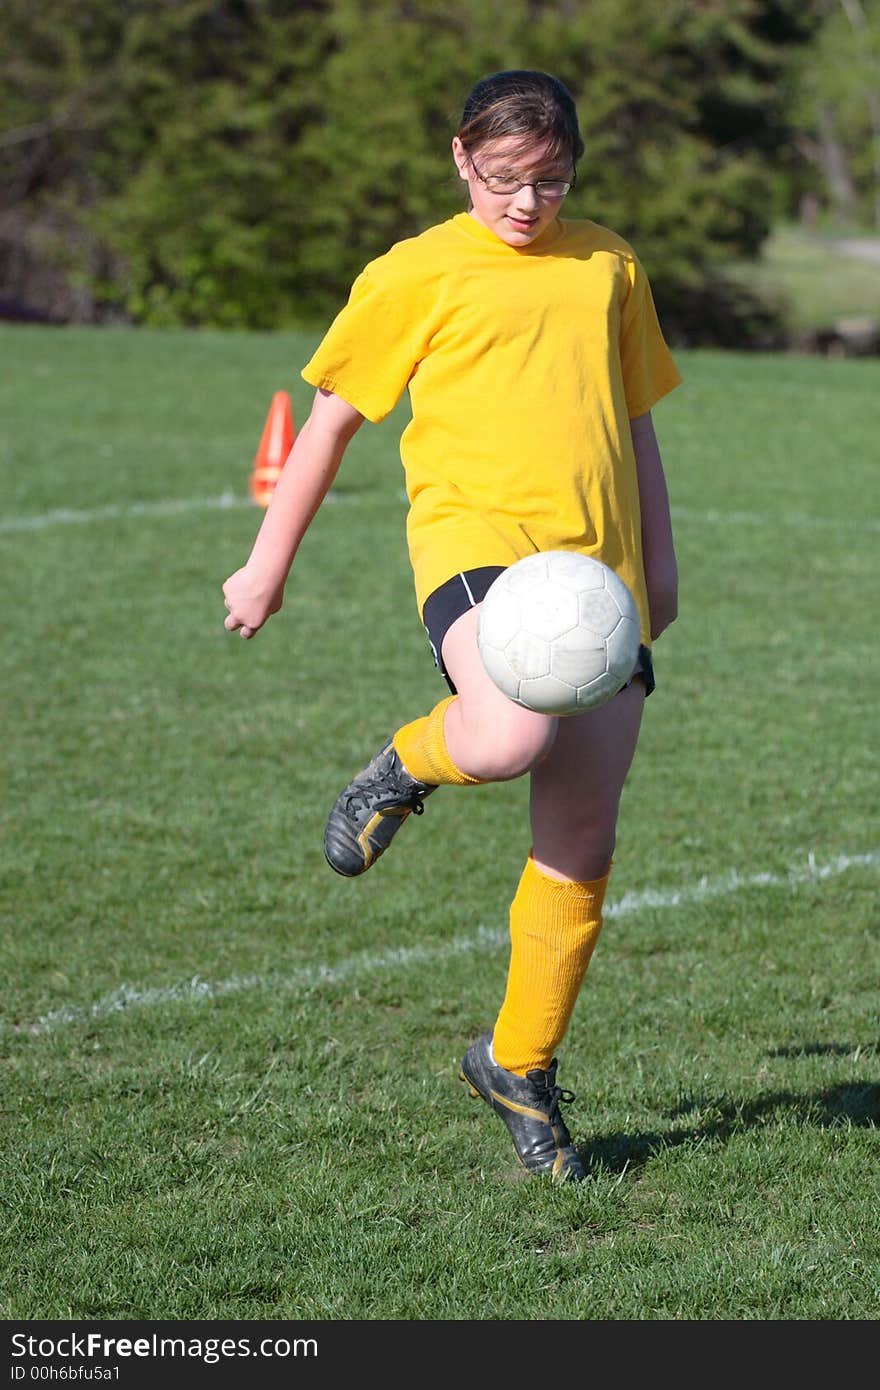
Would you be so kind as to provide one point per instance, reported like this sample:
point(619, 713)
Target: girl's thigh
point(575, 789)
point(487, 735)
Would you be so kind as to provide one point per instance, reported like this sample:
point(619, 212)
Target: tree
point(836, 107)
point(236, 162)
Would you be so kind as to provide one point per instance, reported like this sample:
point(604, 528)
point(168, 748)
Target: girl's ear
point(460, 157)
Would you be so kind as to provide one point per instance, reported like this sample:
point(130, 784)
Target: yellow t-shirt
point(524, 367)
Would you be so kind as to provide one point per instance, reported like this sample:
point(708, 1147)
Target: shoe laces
point(550, 1095)
point(382, 790)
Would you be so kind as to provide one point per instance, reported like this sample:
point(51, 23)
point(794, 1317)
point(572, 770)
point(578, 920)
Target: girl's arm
point(661, 570)
point(254, 593)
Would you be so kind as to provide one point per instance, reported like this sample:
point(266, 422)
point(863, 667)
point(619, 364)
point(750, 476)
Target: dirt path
point(860, 249)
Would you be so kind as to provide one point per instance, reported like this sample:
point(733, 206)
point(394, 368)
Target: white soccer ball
point(559, 632)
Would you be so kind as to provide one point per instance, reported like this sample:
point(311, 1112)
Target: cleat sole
point(470, 1085)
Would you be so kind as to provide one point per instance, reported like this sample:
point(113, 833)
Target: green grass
point(812, 283)
point(229, 1077)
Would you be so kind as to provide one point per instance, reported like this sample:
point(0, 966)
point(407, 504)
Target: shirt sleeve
point(649, 371)
point(375, 343)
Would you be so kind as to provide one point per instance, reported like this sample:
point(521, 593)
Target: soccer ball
point(559, 632)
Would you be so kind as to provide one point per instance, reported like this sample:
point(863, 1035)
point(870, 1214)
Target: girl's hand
point(255, 592)
point(249, 602)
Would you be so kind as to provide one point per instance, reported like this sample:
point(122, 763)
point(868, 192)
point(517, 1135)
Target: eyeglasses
point(506, 183)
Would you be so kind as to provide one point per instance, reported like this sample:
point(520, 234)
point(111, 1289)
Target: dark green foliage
point(236, 162)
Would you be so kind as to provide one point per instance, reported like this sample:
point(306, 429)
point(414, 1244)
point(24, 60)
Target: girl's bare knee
point(518, 749)
point(487, 735)
point(582, 858)
point(574, 842)
point(497, 744)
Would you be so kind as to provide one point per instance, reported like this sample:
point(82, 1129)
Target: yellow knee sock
point(554, 926)
point(421, 747)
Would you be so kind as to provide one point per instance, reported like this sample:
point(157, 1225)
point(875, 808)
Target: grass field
point(812, 282)
point(230, 1077)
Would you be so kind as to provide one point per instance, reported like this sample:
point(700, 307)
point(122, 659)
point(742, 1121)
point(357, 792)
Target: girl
point(532, 353)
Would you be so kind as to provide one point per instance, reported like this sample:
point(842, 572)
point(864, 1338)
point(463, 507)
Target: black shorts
point(463, 591)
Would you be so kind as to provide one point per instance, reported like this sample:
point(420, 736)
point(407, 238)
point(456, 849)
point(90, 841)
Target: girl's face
point(517, 215)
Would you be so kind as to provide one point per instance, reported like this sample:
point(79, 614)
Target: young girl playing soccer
point(532, 353)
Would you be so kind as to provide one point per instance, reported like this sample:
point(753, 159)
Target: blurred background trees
point(236, 162)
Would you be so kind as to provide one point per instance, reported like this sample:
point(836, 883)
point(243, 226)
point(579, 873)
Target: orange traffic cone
point(275, 445)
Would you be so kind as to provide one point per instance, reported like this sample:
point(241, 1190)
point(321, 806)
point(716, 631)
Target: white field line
point(483, 940)
point(714, 517)
point(66, 516)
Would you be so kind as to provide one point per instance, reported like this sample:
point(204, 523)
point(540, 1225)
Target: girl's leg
point(575, 791)
point(487, 736)
point(477, 735)
point(578, 765)
point(555, 919)
point(556, 915)
point(578, 769)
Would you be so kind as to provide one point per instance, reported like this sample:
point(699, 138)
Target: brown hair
point(525, 103)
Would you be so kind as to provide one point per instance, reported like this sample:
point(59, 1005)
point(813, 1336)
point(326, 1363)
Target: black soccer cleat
point(368, 814)
point(529, 1106)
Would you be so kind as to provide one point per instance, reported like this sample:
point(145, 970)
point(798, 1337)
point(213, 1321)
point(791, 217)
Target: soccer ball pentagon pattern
point(559, 632)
